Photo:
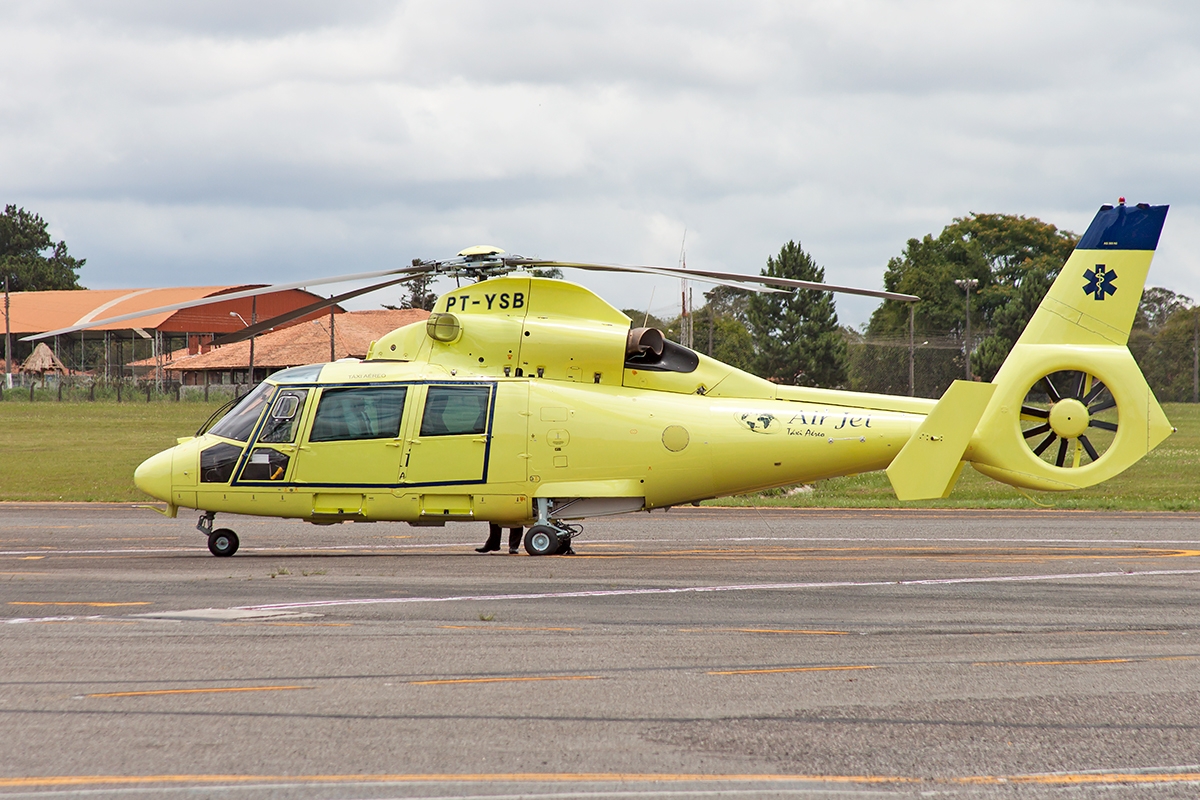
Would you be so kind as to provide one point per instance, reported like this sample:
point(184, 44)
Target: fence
point(30, 388)
point(881, 364)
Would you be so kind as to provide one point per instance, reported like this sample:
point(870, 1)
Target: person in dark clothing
point(493, 541)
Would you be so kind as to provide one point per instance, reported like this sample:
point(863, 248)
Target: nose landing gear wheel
point(541, 540)
point(222, 542)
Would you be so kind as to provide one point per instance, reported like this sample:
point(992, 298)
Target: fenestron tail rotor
point(1069, 418)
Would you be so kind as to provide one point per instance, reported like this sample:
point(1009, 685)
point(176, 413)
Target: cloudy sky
point(193, 143)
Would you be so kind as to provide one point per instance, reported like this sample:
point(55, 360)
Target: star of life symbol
point(1099, 282)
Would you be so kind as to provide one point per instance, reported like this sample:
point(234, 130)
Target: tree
point(1157, 306)
point(726, 301)
point(24, 241)
point(644, 319)
point(1014, 258)
point(1165, 340)
point(730, 341)
point(419, 295)
point(796, 335)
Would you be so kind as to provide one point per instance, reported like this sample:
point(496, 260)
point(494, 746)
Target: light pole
point(250, 378)
point(7, 340)
point(967, 285)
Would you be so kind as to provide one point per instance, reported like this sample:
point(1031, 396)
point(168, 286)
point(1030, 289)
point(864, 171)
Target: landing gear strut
point(549, 536)
point(222, 541)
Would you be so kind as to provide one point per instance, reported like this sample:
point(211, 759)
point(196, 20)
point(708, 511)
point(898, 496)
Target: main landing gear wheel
point(541, 540)
point(222, 542)
point(1082, 419)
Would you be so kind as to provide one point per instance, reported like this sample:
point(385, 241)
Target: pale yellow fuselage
point(546, 439)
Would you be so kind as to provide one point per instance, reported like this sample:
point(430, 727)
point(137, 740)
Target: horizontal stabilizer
point(929, 464)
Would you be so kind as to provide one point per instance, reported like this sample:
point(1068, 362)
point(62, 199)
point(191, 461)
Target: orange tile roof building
point(296, 345)
point(106, 349)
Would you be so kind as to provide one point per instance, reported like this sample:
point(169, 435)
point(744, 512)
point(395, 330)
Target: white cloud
point(172, 141)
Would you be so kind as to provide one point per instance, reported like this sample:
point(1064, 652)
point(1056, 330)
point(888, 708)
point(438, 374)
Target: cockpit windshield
point(239, 423)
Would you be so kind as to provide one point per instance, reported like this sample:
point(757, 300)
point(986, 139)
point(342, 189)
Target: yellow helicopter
point(529, 402)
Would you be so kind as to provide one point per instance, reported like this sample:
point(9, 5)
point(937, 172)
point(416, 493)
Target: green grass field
point(88, 451)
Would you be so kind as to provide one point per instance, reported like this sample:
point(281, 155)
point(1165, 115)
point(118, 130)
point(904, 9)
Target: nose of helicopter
point(154, 476)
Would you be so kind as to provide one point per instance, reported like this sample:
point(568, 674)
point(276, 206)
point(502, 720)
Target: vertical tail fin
point(1095, 298)
point(1071, 407)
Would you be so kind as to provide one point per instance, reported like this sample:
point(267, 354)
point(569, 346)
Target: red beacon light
point(1121, 200)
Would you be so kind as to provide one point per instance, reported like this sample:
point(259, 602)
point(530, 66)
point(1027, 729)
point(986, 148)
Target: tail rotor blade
point(1040, 429)
point(1050, 390)
point(1049, 440)
point(1097, 388)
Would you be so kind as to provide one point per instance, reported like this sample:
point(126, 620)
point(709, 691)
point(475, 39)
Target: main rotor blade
point(712, 276)
point(251, 331)
point(220, 298)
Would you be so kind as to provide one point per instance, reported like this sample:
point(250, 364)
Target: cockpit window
point(361, 412)
point(239, 423)
point(280, 426)
point(305, 374)
point(453, 410)
point(218, 461)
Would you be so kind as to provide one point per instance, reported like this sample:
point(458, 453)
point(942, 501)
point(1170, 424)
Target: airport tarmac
point(697, 653)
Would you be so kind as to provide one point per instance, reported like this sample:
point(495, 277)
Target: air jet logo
point(1099, 282)
point(760, 423)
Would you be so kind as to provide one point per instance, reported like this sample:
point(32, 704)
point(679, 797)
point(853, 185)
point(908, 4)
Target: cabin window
point(360, 412)
point(239, 423)
point(265, 464)
point(280, 427)
point(453, 410)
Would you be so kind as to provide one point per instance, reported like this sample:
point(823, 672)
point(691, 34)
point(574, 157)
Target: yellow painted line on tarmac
point(498, 628)
point(23, 573)
point(790, 669)
point(1053, 779)
point(90, 604)
point(31, 558)
point(200, 691)
point(448, 681)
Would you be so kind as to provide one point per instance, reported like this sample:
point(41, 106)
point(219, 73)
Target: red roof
point(37, 312)
point(306, 343)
